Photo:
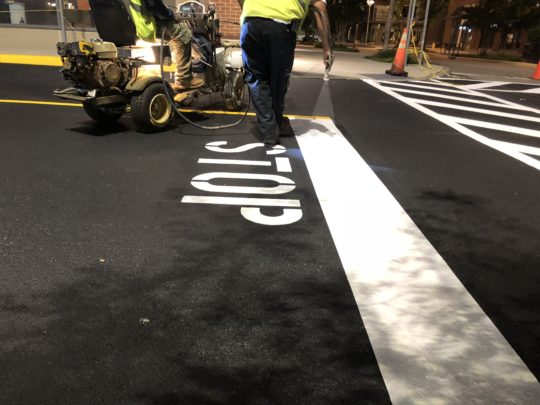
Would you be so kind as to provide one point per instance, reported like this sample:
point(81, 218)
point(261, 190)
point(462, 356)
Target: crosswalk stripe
point(448, 89)
point(500, 146)
point(483, 85)
point(432, 341)
point(461, 99)
point(472, 109)
point(492, 125)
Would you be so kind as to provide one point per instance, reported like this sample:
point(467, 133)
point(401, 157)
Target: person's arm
point(160, 10)
point(323, 27)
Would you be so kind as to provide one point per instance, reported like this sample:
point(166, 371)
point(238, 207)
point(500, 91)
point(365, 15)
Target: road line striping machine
point(111, 76)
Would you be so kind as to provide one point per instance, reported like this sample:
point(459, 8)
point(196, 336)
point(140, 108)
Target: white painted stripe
point(258, 202)
point(433, 343)
point(505, 102)
point(484, 85)
point(461, 99)
point(446, 89)
point(536, 90)
point(472, 109)
point(283, 165)
point(492, 125)
point(499, 100)
point(235, 162)
point(516, 154)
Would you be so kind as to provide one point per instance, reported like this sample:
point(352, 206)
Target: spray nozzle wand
point(328, 62)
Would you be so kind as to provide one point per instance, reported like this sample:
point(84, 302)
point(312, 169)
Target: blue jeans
point(268, 56)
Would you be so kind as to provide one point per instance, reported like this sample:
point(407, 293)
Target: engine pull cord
point(177, 110)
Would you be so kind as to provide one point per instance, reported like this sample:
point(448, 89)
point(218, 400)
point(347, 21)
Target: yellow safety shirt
point(279, 10)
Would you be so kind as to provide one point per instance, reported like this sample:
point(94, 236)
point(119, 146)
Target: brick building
point(228, 12)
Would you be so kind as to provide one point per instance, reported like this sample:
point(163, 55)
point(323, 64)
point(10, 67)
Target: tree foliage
point(499, 16)
point(344, 15)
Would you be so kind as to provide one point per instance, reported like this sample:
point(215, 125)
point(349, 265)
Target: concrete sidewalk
point(354, 65)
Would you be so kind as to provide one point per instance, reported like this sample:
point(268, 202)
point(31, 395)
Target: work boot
point(194, 83)
point(285, 129)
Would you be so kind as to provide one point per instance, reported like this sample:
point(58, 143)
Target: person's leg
point(255, 55)
point(180, 46)
point(282, 60)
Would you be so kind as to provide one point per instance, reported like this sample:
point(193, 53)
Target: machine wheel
point(101, 115)
point(151, 109)
point(233, 91)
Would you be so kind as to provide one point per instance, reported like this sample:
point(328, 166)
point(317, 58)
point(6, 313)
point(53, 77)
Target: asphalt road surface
point(391, 254)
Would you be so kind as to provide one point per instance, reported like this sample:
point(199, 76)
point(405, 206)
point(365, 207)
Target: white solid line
point(506, 102)
point(516, 154)
point(492, 125)
point(235, 162)
point(450, 89)
point(534, 91)
point(283, 164)
point(259, 202)
point(433, 343)
point(500, 100)
point(461, 99)
point(478, 110)
point(483, 85)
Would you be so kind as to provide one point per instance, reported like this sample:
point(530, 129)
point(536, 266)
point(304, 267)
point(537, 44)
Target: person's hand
point(174, 30)
point(328, 58)
point(177, 16)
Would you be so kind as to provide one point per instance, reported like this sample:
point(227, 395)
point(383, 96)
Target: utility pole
point(60, 16)
point(410, 19)
point(388, 26)
point(424, 29)
point(369, 3)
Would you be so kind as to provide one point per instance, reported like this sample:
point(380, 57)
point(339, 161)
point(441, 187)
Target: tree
point(344, 15)
point(503, 16)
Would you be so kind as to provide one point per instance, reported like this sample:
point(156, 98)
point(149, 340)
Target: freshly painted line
point(501, 147)
point(448, 89)
point(503, 101)
point(484, 85)
point(40, 103)
point(31, 60)
point(433, 343)
point(259, 202)
point(191, 110)
point(478, 110)
point(461, 99)
point(235, 162)
point(534, 91)
point(283, 164)
point(492, 125)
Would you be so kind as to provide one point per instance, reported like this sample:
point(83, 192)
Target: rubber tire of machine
point(233, 91)
point(141, 109)
point(102, 116)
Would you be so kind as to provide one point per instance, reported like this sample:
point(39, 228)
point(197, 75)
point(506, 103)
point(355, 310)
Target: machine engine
point(91, 65)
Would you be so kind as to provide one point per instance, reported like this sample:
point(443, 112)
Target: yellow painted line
point(40, 103)
point(48, 61)
point(31, 60)
point(302, 117)
point(184, 110)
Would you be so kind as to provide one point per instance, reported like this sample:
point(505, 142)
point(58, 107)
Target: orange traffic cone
point(398, 67)
point(536, 74)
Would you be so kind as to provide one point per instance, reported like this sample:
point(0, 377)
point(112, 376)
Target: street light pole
point(369, 3)
point(60, 15)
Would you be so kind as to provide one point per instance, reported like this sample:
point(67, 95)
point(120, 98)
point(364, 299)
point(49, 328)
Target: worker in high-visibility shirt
point(268, 39)
point(153, 16)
